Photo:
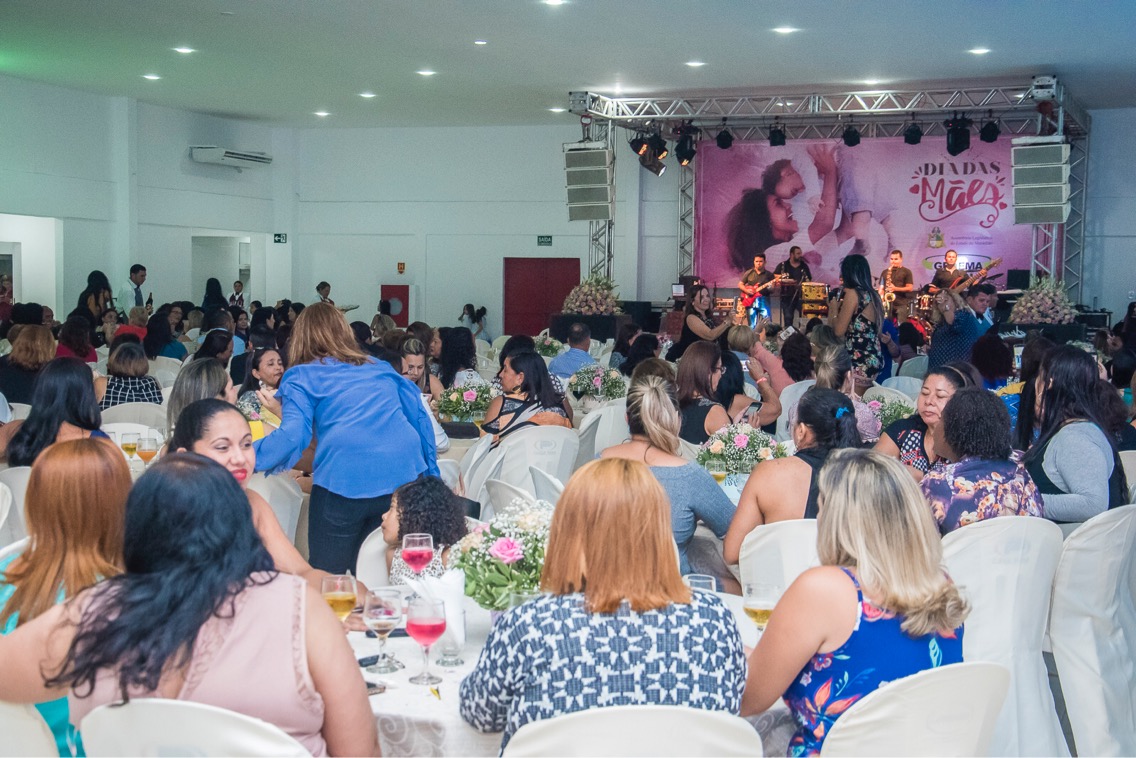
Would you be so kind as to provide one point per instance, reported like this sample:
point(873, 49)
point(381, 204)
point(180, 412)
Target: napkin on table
point(450, 589)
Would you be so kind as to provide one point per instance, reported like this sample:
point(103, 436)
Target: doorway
point(534, 289)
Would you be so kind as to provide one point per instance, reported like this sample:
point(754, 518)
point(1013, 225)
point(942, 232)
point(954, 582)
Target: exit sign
point(279, 238)
point(544, 240)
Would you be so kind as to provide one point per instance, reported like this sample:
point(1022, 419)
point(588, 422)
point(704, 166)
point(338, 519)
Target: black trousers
point(338, 525)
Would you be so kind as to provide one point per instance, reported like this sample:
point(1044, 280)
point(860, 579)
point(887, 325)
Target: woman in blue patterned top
point(878, 608)
point(617, 625)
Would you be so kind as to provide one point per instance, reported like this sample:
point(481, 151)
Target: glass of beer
point(759, 602)
point(339, 592)
point(129, 443)
point(147, 449)
point(717, 470)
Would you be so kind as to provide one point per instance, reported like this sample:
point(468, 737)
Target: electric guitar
point(751, 293)
point(961, 283)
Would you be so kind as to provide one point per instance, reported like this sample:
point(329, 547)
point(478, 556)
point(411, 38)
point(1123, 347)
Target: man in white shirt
point(237, 296)
point(130, 294)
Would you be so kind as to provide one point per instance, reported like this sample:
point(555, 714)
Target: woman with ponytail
point(786, 488)
point(879, 607)
point(653, 418)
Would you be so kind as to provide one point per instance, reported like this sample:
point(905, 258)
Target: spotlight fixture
point(776, 136)
point(990, 129)
point(685, 150)
point(913, 134)
point(658, 146)
point(958, 134)
point(851, 136)
point(724, 138)
point(638, 144)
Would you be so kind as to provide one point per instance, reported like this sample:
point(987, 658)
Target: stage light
point(913, 134)
point(776, 136)
point(651, 162)
point(658, 145)
point(989, 132)
point(724, 138)
point(851, 136)
point(685, 150)
point(638, 144)
point(958, 134)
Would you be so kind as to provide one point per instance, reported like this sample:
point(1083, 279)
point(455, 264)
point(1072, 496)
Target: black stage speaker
point(641, 313)
point(1018, 279)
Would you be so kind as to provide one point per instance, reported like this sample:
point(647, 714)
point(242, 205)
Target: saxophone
point(889, 296)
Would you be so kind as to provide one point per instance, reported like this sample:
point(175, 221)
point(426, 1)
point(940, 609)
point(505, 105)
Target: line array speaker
point(589, 178)
point(1041, 183)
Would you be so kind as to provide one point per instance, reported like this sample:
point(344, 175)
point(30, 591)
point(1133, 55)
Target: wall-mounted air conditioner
point(224, 157)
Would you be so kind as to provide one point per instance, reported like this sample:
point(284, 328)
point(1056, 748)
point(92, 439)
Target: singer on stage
point(754, 284)
point(795, 271)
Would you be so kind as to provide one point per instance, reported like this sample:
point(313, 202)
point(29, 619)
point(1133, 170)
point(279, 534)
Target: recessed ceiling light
point(871, 82)
point(151, 77)
point(785, 29)
point(228, 13)
point(696, 64)
point(426, 72)
point(367, 94)
point(322, 114)
point(184, 50)
point(480, 42)
point(979, 50)
point(553, 2)
point(557, 110)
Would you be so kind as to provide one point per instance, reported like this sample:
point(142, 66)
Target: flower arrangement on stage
point(548, 347)
point(467, 403)
point(1045, 302)
point(595, 296)
point(891, 411)
point(740, 447)
point(506, 555)
point(597, 382)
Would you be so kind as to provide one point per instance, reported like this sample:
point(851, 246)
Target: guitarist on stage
point(754, 282)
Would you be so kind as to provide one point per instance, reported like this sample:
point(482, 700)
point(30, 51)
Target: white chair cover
point(778, 553)
point(449, 471)
point(886, 395)
point(552, 449)
point(166, 392)
point(16, 480)
point(481, 346)
point(637, 730)
point(687, 450)
point(371, 563)
point(500, 342)
point(162, 363)
point(157, 727)
point(1004, 568)
point(25, 732)
point(192, 334)
point(942, 711)
point(20, 410)
point(908, 385)
point(480, 463)
point(1128, 462)
point(1092, 627)
point(610, 420)
point(916, 367)
point(501, 497)
point(284, 496)
point(587, 450)
point(152, 415)
point(117, 428)
point(165, 377)
point(486, 368)
point(5, 507)
point(789, 397)
point(16, 547)
point(546, 487)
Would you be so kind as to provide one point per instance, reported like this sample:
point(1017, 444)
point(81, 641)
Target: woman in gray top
point(652, 417)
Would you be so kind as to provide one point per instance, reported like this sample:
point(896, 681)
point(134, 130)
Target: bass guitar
point(751, 293)
point(961, 283)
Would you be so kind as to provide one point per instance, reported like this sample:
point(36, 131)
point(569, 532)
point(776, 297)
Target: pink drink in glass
point(417, 559)
point(426, 631)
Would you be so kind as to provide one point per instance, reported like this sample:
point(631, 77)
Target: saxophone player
point(898, 282)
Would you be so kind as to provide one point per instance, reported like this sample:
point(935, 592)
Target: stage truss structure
point(1019, 110)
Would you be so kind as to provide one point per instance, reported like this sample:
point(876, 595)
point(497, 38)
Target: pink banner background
point(927, 201)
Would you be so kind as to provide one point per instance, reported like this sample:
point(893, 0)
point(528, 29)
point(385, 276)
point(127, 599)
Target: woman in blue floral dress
point(878, 608)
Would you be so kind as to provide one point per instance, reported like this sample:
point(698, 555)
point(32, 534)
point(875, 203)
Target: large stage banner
point(832, 200)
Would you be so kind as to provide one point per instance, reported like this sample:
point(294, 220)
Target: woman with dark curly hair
point(75, 341)
point(797, 357)
point(981, 481)
point(424, 506)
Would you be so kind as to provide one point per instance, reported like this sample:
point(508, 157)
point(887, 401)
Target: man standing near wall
point(237, 296)
point(130, 294)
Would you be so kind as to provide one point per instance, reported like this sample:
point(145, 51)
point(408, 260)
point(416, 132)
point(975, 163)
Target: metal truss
point(1073, 234)
point(601, 237)
point(686, 220)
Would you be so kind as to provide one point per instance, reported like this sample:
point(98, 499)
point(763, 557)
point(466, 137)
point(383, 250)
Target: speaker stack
point(589, 170)
point(1041, 183)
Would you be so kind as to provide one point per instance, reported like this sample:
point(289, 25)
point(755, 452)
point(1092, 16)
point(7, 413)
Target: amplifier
point(814, 291)
point(814, 309)
point(1095, 319)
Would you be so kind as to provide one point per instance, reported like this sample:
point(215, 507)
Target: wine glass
point(417, 551)
point(425, 622)
point(382, 610)
point(339, 592)
point(701, 582)
point(128, 441)
point(760, 599)
point(147, 449)
point(717, 469)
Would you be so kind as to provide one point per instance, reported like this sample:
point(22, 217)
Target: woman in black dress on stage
point(698, 324)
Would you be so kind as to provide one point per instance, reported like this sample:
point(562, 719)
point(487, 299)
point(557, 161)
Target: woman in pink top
point(199, 615)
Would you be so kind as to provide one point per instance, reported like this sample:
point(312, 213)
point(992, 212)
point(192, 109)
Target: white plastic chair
point(25, 732)
point(908, 385)
point(371, 563)
point(586, 453)
point(486, 368)
point(778, 553)
point(157, 726)
point(1004, 567)
point(1128, 462)
point(284, 496)
point(886, 395)
point(103, 352)
point(1092, 628)
point(948, 710)
point(166, 392)
point(20, 410)
point(449, 471)
point(789, 397)
point(165, 377)
point(500, 342)
point(478, 464)
point(610, 420)
point(637, 730)
point(15, 479)
point(5, 552)
point(481, 346)
point(546, 487)
point(152, 415)
point(501, 497)
point(5, 507)
point(915, 366)
point(552, 449)
point(192, 335)
point(162, 363)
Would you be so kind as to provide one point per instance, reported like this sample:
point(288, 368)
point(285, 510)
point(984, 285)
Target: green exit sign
point(544, 240)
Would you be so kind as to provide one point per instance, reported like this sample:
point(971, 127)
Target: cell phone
point(754, 407)
point(786, 333)
point(745, 366)
point(1018, 356)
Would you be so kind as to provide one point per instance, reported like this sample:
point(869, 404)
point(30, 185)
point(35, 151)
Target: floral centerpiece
point(891, 411)
point(506, 555)
point(1045, 302)
point(595, 296)
point(740, 447)
point(467, 403)
point(548, 346)
point(597, 382)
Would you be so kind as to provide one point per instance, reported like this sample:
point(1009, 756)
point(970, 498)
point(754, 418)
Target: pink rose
point(874, 405)
point(481, 528)
point(597, 382)
point(741, 440)
point(507, 550)
point(469, 396)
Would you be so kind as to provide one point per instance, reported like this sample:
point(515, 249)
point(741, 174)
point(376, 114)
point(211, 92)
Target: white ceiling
point(279, 61)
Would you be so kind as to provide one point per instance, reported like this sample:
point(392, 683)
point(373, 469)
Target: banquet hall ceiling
point(280, 61)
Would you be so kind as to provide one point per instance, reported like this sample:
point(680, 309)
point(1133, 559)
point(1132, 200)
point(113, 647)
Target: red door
point(534, 289)
point(399, 297)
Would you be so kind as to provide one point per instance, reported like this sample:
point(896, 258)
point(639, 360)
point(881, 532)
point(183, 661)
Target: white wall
point(1110, 211)
point(34, 262)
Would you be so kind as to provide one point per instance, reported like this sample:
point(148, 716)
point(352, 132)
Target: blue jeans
point(338, 525)
point(756, 312)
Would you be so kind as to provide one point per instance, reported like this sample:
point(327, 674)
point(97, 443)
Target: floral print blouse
point(863, 342)
point(974, 489)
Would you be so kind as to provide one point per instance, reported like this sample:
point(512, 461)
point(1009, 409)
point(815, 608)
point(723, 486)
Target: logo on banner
point(967, 262)
point(950, 187)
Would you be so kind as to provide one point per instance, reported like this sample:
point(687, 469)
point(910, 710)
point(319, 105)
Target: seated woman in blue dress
point(878, 608)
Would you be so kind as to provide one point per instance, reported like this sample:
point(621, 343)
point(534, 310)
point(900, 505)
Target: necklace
point(647, 442)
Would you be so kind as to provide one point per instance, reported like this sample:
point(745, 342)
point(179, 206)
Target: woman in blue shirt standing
point(372, 432)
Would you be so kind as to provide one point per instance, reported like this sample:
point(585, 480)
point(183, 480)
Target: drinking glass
point(382, 610)
point(451, 650)
point(417, 551)
point(147, 449)
point(759, 602)
point(703, 582)
point(339, 592)
point(521, 596)
point(717, 470)
point(425, 622)
point(129, 443)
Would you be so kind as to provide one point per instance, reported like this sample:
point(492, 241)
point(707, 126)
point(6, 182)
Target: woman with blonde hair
point(652, 417)
point(198, 381)
point(879, 607)
point(415, 360)
point(374, 434)
point(832, 366)
point(609, 574)
point(74, 509)
point(32, 349)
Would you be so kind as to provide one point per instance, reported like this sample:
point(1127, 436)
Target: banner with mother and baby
point(832, 200)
